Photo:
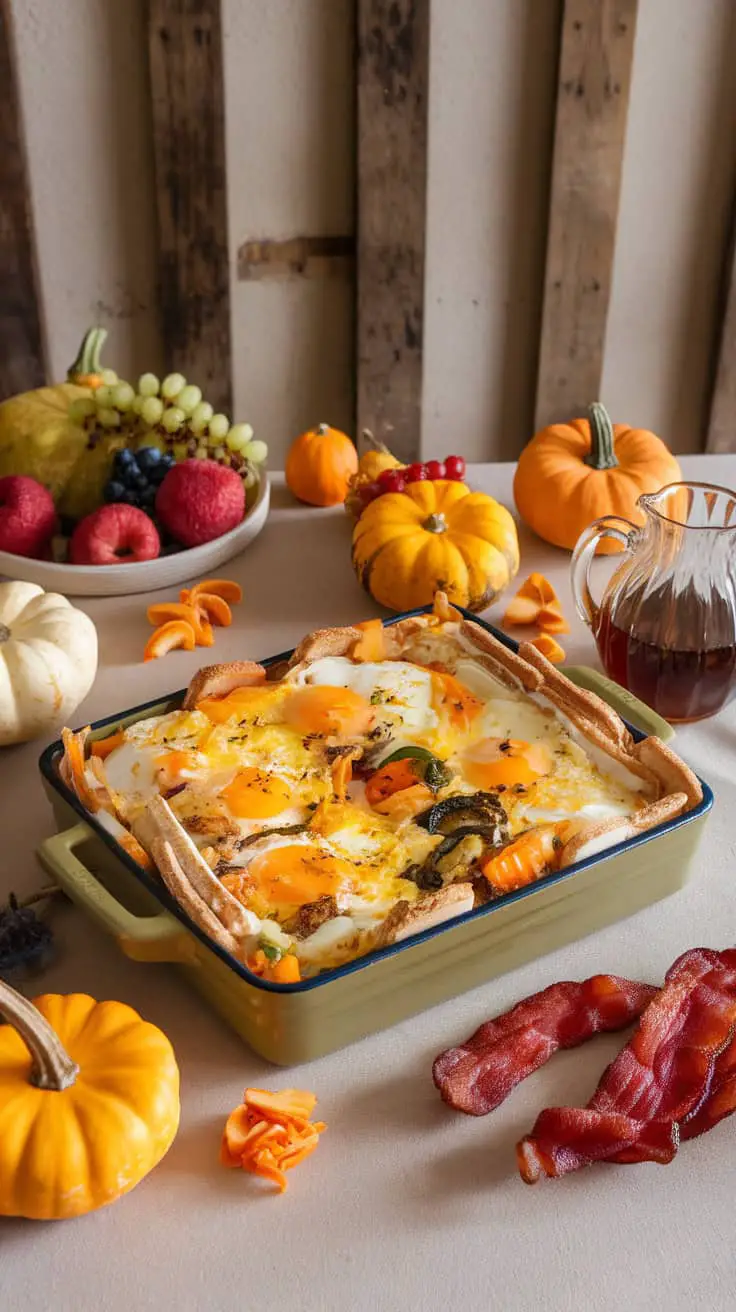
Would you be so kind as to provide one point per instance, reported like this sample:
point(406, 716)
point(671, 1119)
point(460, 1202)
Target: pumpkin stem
point(435, 524)
point(322, 429)
point(52, 1067)
point(372, 443)
point(88, 356)
point(602, 454)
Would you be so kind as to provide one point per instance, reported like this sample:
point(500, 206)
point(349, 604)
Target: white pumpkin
point(48, 660)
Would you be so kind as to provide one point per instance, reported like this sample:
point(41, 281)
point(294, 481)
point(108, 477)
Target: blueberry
point(140, 482)
point(148, 499)
point(113, 490)
point(148, 457)
point(125, 458)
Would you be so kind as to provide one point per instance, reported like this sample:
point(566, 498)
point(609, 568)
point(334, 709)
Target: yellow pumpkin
point(373, 461)
point(89, 1103)
point(570, 474)
point(435, 536)
point(37, 437)
point(319, 466)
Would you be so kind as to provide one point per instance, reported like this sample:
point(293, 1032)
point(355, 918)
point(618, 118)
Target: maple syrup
point(680, 685)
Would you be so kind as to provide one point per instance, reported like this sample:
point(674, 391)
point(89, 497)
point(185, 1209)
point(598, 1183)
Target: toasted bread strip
point(188, 899)
point(405, 918)
point(577, 703)
point(599, 836)
point(219, 680)
point(504, 665)
point(674, 773)
point(231, 914)
point(324, 642)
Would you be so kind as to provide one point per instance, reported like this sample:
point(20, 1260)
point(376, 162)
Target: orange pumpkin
point(570, 474)
point(319, 466)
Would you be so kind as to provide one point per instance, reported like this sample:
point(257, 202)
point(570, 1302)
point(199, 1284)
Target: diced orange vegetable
point(549, 648)
point(342, 773)
point(538, 587)
point(270, 1133)
point(521, 610)
point(390, 779)
point(163, 611)
point(227, 589)
point(214, 609)
point(526, 858)
point(406, 803)
point(104, 746)
point(174, 634)
point(371, 645)
point(285, 971)
point(551, 620)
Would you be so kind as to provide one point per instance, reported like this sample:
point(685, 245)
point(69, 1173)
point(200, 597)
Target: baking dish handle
point(624, 702)
point(158, 938)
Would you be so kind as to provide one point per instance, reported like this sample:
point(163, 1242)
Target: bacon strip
point(720, 1100)
point(479, 1074)
point(664, 1075)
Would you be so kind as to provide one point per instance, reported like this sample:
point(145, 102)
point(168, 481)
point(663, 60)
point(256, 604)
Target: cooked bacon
point(664, 1075)
point(476, 1076)
point(720, 1100)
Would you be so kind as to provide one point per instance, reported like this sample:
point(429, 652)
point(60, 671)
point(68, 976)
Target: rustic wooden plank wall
point(185, 52)
point(21, 349)
point(596, 54)
point(393, 85)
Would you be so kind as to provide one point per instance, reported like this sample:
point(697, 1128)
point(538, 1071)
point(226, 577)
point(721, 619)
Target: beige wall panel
point(492, 80)
point(676, 194)
point(289, 86)
point(82, 69)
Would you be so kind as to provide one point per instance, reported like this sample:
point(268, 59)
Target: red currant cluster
point(396, 480)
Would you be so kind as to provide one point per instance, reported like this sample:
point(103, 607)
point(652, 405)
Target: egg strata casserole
point(383, 781)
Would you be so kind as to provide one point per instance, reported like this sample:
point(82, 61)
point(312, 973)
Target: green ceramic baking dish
point(292, 1023)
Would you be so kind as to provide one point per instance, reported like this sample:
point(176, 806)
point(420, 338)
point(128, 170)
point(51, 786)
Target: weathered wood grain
point(298, 257)
point(721, 432)
point(21, 348)
point(596, 53)
point(393, 73)
point(185, 50)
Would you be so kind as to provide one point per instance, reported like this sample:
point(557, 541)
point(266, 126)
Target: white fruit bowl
point(146, 575)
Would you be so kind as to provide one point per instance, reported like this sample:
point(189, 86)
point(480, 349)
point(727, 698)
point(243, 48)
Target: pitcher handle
point(610, 526)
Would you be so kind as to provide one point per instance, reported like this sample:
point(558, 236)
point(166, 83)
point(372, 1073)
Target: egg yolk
point(501, 763)
point(451, 698)
point(256, 795)
point(173, 767)
point(322, 709)
point(296, 874)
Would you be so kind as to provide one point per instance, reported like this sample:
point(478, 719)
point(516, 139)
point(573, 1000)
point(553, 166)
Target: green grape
point(138, 404)
point(218, 427)
point(256, 451)
point(179, 450)
point(200, 417)
point(172, 419)
point(148, 385)
point(172, 386)
point(103, 396)
point(201, 453)
point(239, 436)
point(123, 396)
point(81, 409)
point(151, 411)
point(219, 453)
point(189, 398)
point(109, 418)
point(109, 377)
point(250, 478)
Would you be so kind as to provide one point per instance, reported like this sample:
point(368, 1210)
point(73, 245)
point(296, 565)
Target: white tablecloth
point(405, 1205)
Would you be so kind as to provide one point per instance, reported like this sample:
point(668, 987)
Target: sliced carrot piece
point(214, 609)
point(526, 858)
point(342, 773)
point(538, 588)
point(549, 648)
point(285, 971)
point(104, 746)
point(227, 589)
point(288, 1102)
point(521, 610)
point(390, 779)
point(551, 619)
point(139, 854)
point(74, 749)
point(164, 611)
point(406, 803)
point(175, 634)
point(371, 645)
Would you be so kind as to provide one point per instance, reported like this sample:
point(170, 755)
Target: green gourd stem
point(435, 524)
point(372, 443)
point(88, 357)
point(602, 455)
point(52, 1068)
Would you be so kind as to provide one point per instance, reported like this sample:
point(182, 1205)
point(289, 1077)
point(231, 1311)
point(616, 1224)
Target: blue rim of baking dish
point(48, 763)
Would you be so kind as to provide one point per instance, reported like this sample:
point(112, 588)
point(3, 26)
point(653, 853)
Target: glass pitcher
point(666, 626)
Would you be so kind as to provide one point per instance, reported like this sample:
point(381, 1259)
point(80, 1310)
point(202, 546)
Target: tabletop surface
point(406, 1204)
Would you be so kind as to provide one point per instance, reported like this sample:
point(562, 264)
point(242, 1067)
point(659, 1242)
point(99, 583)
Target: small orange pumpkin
point(319, 466)
point(570, 474)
